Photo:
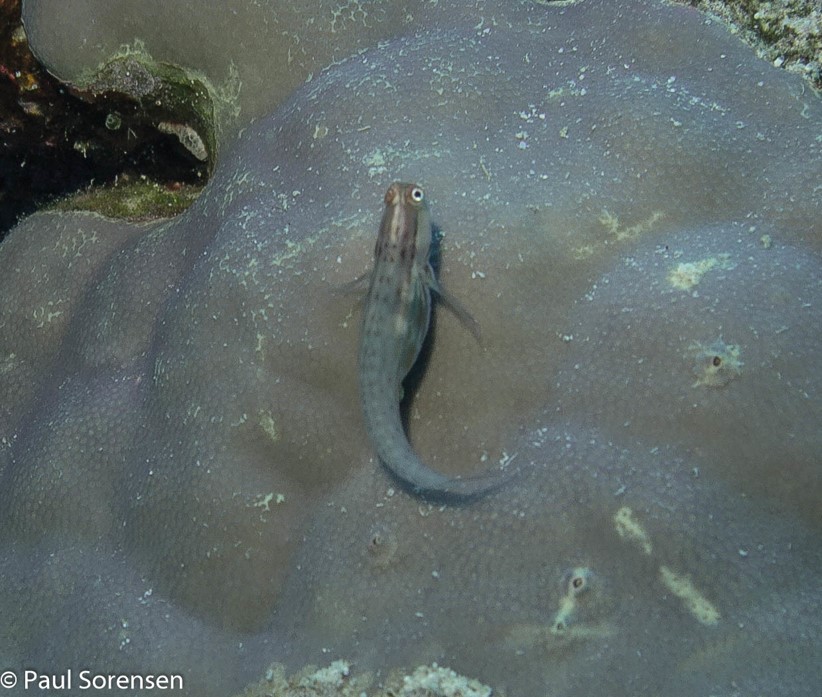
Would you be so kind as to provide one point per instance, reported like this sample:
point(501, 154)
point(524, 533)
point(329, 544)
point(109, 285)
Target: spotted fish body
point(396, 318)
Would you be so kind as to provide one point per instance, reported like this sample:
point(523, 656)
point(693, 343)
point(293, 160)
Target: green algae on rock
point(133, 200)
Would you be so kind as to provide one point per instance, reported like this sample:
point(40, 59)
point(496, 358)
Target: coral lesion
point(382, 546)
point(577, 584)
point(715, 364)
point(583, 597)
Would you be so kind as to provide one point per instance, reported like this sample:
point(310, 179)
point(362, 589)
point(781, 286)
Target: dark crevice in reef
point(130, 154)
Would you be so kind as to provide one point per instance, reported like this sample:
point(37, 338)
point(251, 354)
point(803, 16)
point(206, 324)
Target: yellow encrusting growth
point(628, 528)
point(687, 275)
point(584, 251)
point(611, 223)
point(696, 603)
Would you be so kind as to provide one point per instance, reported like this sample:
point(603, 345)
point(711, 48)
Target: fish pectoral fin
point(358, 286)
point(455, 306)
point(462, 314)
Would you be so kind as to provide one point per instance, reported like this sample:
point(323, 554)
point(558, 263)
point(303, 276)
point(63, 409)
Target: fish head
point(405, 230)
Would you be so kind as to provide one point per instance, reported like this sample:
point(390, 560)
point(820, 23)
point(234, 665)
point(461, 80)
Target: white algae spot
point(333, 675)
point(376, 163)
point(335, 680)
point(264, 501)
point(269, 425)
point(436, 681)
point(338, 680)
point(188, 137)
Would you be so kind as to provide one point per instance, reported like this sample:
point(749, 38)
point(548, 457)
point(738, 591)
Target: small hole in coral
point(717, 361)
point(577, 582)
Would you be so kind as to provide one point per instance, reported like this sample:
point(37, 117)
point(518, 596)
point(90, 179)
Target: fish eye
point(417, 194)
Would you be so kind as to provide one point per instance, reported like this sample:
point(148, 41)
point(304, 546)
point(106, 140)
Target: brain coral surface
point(629, 204)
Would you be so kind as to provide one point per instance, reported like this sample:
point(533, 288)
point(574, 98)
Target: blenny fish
point(396, 318)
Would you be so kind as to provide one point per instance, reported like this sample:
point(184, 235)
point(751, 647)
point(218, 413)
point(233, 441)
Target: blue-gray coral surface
point(629, 203)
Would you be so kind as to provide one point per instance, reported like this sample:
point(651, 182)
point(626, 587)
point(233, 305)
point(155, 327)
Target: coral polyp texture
point(628, 202)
